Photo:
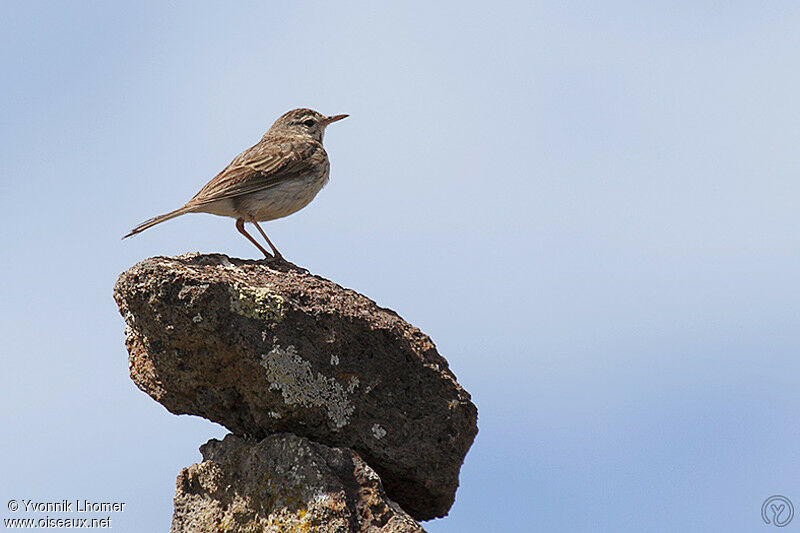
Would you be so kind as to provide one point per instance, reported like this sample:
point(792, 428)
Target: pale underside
point(273, 179)
point(278, 201)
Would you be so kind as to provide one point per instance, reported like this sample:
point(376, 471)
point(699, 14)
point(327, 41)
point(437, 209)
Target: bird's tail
point(157, 220)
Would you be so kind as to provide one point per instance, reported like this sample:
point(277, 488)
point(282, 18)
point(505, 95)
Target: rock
point(283, 483)
point(265, 347)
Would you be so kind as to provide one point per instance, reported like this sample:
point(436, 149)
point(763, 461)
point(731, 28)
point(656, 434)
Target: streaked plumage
point(273, 179)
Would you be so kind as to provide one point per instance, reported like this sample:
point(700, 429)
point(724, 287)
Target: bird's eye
point(309, 123)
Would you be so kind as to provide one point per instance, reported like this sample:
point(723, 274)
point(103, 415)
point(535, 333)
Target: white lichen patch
point(334, 359)
point(256, 302)
point(300, 385)
point(322, 499)
point(353, 384)
point(197, 318)
point(378, 432)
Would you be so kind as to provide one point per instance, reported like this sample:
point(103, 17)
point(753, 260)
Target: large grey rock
point(283, 483)
point(265, 347)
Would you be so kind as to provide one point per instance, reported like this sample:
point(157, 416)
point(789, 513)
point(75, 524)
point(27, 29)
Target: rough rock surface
point(283, 483)
point(265, 347)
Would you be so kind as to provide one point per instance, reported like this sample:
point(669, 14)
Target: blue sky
point(591, 208)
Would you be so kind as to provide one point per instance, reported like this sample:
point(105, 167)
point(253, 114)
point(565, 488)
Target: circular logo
point(777, 510)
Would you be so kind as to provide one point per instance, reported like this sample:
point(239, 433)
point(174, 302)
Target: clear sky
point(591, 208)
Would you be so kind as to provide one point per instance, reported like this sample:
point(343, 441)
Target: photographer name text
point(70, 506)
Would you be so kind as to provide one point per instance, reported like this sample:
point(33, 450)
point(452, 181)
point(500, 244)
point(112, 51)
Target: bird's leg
point(240, 227)
point(274, 250)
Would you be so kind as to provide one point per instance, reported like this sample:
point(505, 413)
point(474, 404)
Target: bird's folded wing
point(265, 165)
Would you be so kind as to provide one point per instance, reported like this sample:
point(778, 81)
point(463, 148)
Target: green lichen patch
point(256, 302)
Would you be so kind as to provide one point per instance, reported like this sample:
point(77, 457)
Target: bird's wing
point(268, 163)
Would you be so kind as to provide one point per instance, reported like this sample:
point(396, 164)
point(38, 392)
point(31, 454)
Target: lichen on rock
point(256, 302)
point(300, 385)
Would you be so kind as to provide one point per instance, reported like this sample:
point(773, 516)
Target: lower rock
point(283, 483)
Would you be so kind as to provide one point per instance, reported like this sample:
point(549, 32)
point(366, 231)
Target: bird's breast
point(284, 199)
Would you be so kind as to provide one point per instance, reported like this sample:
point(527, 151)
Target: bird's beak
point(334, 118)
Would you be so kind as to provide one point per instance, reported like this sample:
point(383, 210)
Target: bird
point(274, 178)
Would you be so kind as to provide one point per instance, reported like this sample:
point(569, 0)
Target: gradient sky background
point(592, 209)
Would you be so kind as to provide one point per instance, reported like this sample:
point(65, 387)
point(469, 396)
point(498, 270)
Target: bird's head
point(303, 122)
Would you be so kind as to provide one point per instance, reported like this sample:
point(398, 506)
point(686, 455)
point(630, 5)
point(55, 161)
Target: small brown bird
point(275, 178)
